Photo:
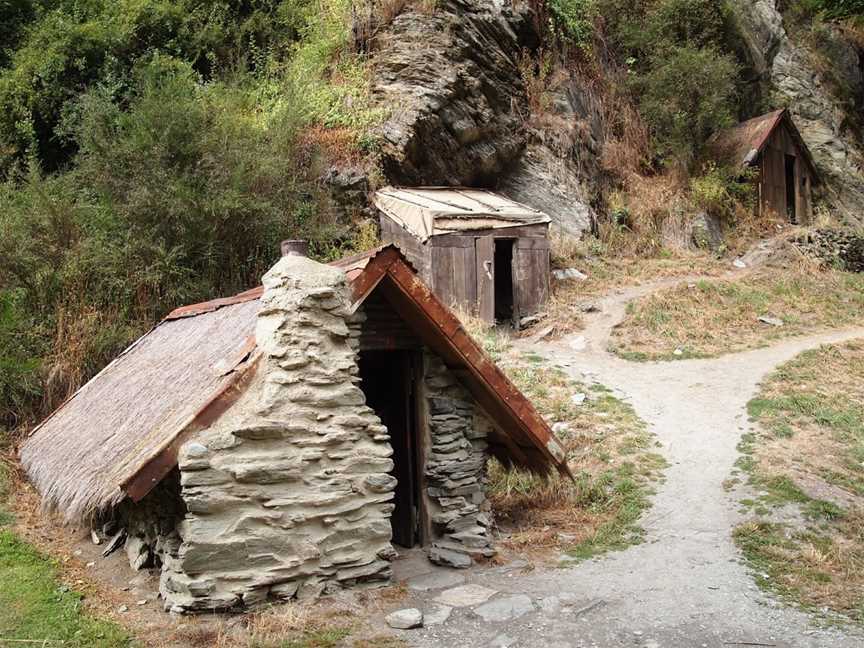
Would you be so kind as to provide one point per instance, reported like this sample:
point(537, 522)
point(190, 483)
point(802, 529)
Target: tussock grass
point(807, 457)
point(293, 625)
point(710, 318)
point(610, 454)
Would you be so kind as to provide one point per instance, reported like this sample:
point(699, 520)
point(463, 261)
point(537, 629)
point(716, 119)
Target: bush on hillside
point(573, 21)
point(837, 8)
point(64, 48)
point(181, 191)
point(683, 81)
point(685, 97)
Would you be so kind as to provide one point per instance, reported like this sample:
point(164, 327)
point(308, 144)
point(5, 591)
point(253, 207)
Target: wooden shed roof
point(742, 144)
point(429, 211)
point(120, 433)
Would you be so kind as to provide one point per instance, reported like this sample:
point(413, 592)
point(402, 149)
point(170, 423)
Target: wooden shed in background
point(475, 249)
point(772, 145)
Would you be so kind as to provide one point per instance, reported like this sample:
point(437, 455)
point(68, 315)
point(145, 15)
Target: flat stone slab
point(436, 615)
point(465, 595)
point(405, 619)
point(505, 609)
point(435, 580)
point(550, 605)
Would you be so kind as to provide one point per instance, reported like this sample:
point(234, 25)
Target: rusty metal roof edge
point(202, 308)
point(552, 446)
point(220, 399)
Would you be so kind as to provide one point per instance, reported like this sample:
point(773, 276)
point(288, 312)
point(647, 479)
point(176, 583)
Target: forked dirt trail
point(685, 586)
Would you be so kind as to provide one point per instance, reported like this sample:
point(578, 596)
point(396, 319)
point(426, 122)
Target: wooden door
point(485, 256)
point(530, 275)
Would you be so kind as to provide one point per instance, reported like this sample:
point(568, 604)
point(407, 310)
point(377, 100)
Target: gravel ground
point(685, 586)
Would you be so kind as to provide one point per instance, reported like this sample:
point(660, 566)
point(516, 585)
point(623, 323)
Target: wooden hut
point(477, 250)
point(238, 453)
point(785, 171)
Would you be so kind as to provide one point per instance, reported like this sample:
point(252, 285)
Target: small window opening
point(791, 211)
point(504, 280)
point(386, 379)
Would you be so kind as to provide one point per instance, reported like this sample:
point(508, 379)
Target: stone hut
point(475, 249)
point(785, 171)
point(281, 443)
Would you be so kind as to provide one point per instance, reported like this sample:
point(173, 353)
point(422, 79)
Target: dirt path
point(685, 586)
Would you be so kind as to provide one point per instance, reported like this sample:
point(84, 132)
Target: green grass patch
point(609, 451)
point(35, 607)
point(810, 413)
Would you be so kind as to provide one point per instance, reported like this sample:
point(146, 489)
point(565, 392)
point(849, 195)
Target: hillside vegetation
point(154, 152)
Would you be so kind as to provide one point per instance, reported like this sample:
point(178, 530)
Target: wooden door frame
point(423, 438)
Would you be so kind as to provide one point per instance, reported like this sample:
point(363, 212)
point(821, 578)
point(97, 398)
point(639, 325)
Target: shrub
point(721, 191)
point(685, 97)
point(19, 364)
point(573, 21)
point(67, 47)
point(683, 80)
point(838, 8)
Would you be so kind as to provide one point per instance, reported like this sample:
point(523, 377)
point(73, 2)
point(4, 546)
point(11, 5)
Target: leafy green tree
point(685, 97)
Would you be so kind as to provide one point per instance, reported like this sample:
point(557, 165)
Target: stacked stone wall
point(150, 526)
point(289, 493)
point(456, 470)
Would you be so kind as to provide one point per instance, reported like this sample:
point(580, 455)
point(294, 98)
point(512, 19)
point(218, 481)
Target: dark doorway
point(387, 381)
point(503, 280)
point(791, 212)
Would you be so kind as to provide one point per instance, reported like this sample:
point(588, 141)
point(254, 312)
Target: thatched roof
point(119, 434)
point(741, 145)
point(112, 425)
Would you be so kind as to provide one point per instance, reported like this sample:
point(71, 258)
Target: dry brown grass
point(338, 145)
point(608, 450)
point(608, 273)
point(710, 318)
point(809, 454)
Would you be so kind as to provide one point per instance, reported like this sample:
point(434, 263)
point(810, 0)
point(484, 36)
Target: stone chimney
point(295, 247)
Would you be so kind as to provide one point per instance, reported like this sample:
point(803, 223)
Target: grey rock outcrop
point(459, 114)
point(788, 69)
point(451, 81)
point(706, 231)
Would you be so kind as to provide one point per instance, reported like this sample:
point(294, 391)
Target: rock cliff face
point(458, 108)
point(788, 69)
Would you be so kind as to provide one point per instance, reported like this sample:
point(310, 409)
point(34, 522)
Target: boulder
point(405, 619)
point(706, 231)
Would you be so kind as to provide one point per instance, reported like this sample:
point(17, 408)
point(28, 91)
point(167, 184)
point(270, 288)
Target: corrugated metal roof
point(429, 211)
point(741, 144)
point(124, 427)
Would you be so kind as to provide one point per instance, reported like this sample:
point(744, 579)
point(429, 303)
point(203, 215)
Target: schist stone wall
point(289, 494)
point(455, 469)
